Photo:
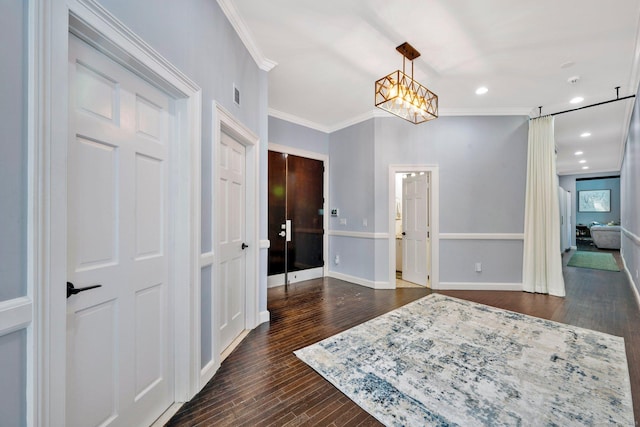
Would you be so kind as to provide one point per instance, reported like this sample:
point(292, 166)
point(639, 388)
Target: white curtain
point(542, 263)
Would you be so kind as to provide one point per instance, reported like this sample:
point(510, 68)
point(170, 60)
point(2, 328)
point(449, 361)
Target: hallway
point(263, 383)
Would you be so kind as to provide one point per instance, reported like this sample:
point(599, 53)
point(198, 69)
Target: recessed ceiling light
point(568, 64)
point(585, 167)
point(585, 134)
point(582, 161)
point(578, 153)
point(576, 100)
point(482, 90)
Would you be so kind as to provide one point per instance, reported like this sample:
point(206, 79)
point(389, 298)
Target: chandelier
point(399, 94)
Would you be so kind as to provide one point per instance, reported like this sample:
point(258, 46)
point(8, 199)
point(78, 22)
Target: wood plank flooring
point(263, 384)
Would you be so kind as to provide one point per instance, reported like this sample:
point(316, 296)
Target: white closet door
point(119, 343)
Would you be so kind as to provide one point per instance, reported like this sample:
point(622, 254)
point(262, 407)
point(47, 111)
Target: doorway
point(297, 185)
point(413, 229)
point(51, 211)
point(413, 226)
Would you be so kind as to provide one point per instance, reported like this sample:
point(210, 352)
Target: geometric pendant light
point(399, 94)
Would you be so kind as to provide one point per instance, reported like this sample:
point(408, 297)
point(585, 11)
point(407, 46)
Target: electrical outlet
point(478, 267)
point(364, 222)
point(343, 221)
point(337, 260)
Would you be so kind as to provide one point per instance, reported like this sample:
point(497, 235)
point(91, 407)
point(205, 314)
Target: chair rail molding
point(481, 236)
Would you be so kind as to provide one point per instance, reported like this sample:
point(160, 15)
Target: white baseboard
point(264, 317)
point(166, 416)
point(478, 286)
point(633, 284)
point(360, 281)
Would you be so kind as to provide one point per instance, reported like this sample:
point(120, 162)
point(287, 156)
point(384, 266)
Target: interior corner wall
point(351, 191)
point(196, 37)
point(630, 195)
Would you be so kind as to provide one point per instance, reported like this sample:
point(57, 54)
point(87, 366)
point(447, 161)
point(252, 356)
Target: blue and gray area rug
point(442, 361)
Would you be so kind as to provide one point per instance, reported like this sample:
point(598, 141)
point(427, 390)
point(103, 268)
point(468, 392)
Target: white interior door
point(119, 343)
point(415, 228)
point(231, 283)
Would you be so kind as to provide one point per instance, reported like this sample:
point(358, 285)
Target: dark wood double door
point(296, 189)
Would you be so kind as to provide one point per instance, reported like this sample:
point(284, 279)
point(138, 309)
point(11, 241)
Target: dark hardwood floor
point(262, 383)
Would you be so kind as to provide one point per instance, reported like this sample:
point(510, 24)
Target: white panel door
point(415, 228)
point(119, 343)
point(230, 286)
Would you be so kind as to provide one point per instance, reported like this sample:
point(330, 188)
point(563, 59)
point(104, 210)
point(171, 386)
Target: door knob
point(244, 246)
point(72, 290)
point(282, 233)
point(404, 233)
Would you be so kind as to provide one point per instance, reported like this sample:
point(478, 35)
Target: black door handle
point(244, 246)
point(404, 233)
point(72, 290)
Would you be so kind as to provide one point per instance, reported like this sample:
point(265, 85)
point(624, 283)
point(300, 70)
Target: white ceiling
point(324, 57)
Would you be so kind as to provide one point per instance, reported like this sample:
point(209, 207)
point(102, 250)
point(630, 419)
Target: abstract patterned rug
point(442, 361)
point(595, 260)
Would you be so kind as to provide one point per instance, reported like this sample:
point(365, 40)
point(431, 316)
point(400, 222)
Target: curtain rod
point(617, 98)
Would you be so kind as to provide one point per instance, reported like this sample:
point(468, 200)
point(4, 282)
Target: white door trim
point(325, 218)
point(49, 27)
point(434, 210)
point(225, 121)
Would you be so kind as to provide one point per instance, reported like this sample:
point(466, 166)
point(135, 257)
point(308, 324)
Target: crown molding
point(509, 111)
point(238, 24)
point(298, 120)
point(376, 112)
point(601, 171)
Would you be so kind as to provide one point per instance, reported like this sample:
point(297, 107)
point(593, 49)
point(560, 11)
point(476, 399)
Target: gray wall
point(482, 161)
point(482, 164)
point(13, 198)
point(630, 193)
point(612, 184)
point(13, 361)
point(293, 135)
point(13, 145)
